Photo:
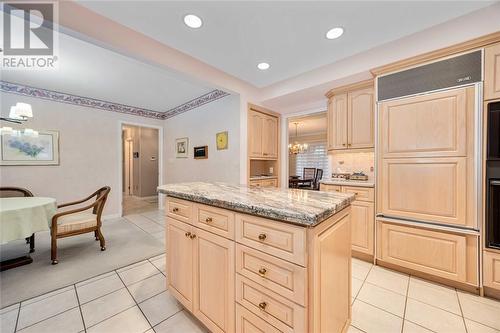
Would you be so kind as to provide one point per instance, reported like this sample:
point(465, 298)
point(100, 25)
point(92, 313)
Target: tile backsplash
point(353, 162)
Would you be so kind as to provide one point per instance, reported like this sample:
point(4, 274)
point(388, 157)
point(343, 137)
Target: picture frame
point(222, 140)
point(200, 152)
point(18, 148)
point(181, 147)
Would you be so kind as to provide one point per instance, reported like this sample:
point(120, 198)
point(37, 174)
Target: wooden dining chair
point(307, 173)
point(17, 192)
point(317, 178)
point(77, 221)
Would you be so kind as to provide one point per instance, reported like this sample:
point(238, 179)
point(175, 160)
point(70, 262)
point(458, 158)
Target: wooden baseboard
point(362, 256)
point(454, 284)
point(491, 292)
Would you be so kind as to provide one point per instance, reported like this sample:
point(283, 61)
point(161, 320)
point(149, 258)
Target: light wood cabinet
point(362, 219)
point(438, 253)
point(213, 302)
point(351, 117)
point(492, 72)
point(262, 135)
point(263, 183)
point(491, 268)
point(433, 125)
point(180, 263)
point(247, 322)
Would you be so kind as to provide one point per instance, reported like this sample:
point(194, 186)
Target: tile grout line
point(50, 317)
point(137, 304)
point(406, 303)
point(17, 318)
point(116, 314)
point(461, 311)
point(80, 308)
point(153, 327)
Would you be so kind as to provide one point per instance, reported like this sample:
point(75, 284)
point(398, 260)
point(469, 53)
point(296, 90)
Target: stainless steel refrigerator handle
point(495, 182)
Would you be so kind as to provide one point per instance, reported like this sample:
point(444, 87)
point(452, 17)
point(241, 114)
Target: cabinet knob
point(208, 219)
point(175, 209)
point(187, 234)
point(262, 306)
point(343, 144)
point(262, 237)
point(262, 271)
point(192, 236)
point(265, 154)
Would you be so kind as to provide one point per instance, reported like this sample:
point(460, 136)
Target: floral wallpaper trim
point(25, 90)
point(195, 103)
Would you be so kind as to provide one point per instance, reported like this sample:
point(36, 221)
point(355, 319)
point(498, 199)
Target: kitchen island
point(259, 259)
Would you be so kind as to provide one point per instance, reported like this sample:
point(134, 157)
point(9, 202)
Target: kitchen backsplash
point(354, 162)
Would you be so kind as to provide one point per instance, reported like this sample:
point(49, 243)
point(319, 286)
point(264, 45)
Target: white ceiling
point(308, 125)
point(91, 71)
point(237, 35)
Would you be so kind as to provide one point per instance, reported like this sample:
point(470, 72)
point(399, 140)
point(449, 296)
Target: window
point(315, 157)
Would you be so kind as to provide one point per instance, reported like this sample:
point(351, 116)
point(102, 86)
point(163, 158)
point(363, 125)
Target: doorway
point(140, 168)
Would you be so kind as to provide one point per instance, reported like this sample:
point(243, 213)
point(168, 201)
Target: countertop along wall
point(90, 150)
point(200, 125)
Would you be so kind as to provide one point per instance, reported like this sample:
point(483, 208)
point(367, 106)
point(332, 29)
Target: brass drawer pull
point(263, 306)
point(175, 210)
point(187, 234)
point(192, 236)
point(262, 237)
point(262, 272)
point(208, 219)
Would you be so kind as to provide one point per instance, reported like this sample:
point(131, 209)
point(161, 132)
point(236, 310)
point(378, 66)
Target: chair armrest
point(69, 212)
point(78, 201)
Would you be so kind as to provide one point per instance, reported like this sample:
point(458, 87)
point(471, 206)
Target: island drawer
point(279, 239)
point(269, 306)
point(179, 209)
point(216, 220)
point(330, 188)
point(247, 322)
point(283, 277)
point(362, 193)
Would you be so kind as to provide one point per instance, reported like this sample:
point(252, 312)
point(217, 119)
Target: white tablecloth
point(20, 217)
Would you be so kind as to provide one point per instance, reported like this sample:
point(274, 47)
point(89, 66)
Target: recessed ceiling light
point(193, 21)
point(263, 66)
point(334, 33)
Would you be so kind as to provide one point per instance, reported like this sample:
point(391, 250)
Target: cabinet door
point(491, 267)
point(330, 188)
point(492, 72)
point(270, 137)
point(338, 122)
point(362, 226)
point(180, 262)
point(360, 124)
point(432, 252)
point(432, 190)
point(255, 131)
point(428, 125)
point(269, 183)
point(214, 281)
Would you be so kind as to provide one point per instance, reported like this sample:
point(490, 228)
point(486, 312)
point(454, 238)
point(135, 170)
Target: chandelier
point(297, 148)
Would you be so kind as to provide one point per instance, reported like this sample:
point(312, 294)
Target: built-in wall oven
point(493, 176)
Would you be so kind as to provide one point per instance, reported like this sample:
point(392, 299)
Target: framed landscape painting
point(23, 149)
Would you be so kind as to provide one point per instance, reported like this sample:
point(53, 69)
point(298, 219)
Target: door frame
point(122, 123)
point(285, 139)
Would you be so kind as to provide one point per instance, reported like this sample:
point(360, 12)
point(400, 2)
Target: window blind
point(315, 157)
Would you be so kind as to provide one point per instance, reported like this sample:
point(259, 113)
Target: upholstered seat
point(76, 222)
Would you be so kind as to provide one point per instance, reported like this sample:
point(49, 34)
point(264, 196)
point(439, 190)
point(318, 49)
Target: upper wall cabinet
point(492, 72)
point(262, 135)
point(351, 117)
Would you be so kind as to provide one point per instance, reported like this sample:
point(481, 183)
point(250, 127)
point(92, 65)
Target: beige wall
point(90, 151)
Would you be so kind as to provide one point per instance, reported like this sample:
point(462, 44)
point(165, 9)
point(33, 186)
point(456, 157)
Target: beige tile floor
point(134, 299)
point(135, 205)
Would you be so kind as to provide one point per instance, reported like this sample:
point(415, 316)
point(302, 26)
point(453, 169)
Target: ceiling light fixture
point(263, 66)
point(335, 33)
point(193, 21)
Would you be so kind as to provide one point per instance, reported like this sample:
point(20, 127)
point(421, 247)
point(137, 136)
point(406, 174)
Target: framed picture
point(181, 147)
point(222, 140)
point(200, 152)
point(21, 149)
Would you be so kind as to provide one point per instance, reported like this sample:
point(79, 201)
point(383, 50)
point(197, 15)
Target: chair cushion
point(76, 221)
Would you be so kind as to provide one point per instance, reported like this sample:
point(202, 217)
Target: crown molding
point(24, 90)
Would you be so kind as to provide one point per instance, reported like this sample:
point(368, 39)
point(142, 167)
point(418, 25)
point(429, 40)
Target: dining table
point(296, 181)
point(20, 217)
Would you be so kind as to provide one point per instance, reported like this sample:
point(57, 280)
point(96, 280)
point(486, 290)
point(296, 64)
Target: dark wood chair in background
point(79, 220)
point(307, 178)
point(317, 178)
point(16, 192)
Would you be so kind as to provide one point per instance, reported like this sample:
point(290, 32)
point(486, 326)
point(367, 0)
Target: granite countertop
point(340, 182)
point(300, 207)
